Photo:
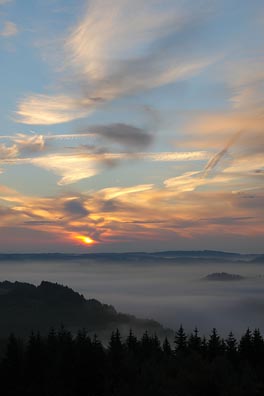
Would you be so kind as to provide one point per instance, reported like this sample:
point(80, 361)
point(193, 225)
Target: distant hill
point(259, 259)
point(25, 307)
point(167, 256)
point(223, 276)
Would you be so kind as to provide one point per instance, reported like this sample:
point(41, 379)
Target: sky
point(130, 126)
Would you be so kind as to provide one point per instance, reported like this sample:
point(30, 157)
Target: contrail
point(50, 137)
point(211, 164)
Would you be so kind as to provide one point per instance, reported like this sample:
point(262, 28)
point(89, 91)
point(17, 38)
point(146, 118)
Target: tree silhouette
point(245, 345)
point(132, 342)
point(180, 340)
point(166, 347)
point(194, 341)
point(231, 347)
point(67, 365)
point(215, 345)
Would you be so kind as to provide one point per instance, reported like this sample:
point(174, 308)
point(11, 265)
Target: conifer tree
point(215, 346)
point(12, 367)
point(156, 343)
point(204, 347)
point(194, 341)
point(115, 347)
point(245, 345)
point(131, 342)
point(180, 340)
point(146, 345)
point(166, 347)
point(231, 346)
point(257, 346)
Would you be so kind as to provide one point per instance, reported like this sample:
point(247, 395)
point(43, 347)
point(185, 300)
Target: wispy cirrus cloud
point(236, 135)
point(48, 110)
point(75, 167)
point(103, 69)
point(29, 144)
point(8, 29)
point(82, 161)
point(71, 168)
point(110, 193)
point(236, 172)
point(190, 181)
point(212, 163)
point(8, 151)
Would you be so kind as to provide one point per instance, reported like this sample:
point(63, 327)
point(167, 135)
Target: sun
point(85, 239)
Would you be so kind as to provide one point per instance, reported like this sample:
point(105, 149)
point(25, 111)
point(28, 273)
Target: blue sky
point(137, 125)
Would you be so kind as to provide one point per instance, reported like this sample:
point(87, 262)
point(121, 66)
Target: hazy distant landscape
point(165, 287)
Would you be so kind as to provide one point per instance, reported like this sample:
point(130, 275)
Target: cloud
point(228, 220)
point(87, 160)
point(7, 191)
point(56, 109)
point(189, 181)
point(76, 167)
point(9, 29)
point(71, 169)
point(110, 193)
point(246, 165)
point(48, 110)
point(125, 56)
point(75, 207)
point(30, 144)
point(39, 223)
point(23, 144)
point(176, 156)
point(8, 152)
point(243, 153)
point(111, 28)
point(243, 81)
point(218, 156)
point(5, 1)
point(135, 213)
point(233, 173)
point(123, 48)
point(82, 165)
point(61, 136)
point(124, 135)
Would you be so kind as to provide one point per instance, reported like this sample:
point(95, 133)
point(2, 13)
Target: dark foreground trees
point(64, 365)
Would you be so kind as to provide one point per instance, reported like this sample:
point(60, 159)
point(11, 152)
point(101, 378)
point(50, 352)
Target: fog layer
point(171, 293)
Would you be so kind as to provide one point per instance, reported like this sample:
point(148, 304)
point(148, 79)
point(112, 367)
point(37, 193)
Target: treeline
point(66, 365)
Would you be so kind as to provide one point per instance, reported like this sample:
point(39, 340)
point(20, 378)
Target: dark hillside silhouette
point(25, 307)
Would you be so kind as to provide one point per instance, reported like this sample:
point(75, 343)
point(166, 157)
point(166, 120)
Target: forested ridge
point(25, 307)
point(61, 363)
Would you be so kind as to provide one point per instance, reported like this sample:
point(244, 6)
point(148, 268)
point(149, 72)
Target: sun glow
point(85, 239)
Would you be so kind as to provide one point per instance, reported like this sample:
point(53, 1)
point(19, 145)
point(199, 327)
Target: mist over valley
point(165, 287)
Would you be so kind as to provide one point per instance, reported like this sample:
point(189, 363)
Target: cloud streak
point(212, 163)
point(85, 161)
point(48, 110)
point(125, 135)
point(105, 69)
point(70, 168)
point(9, 29)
